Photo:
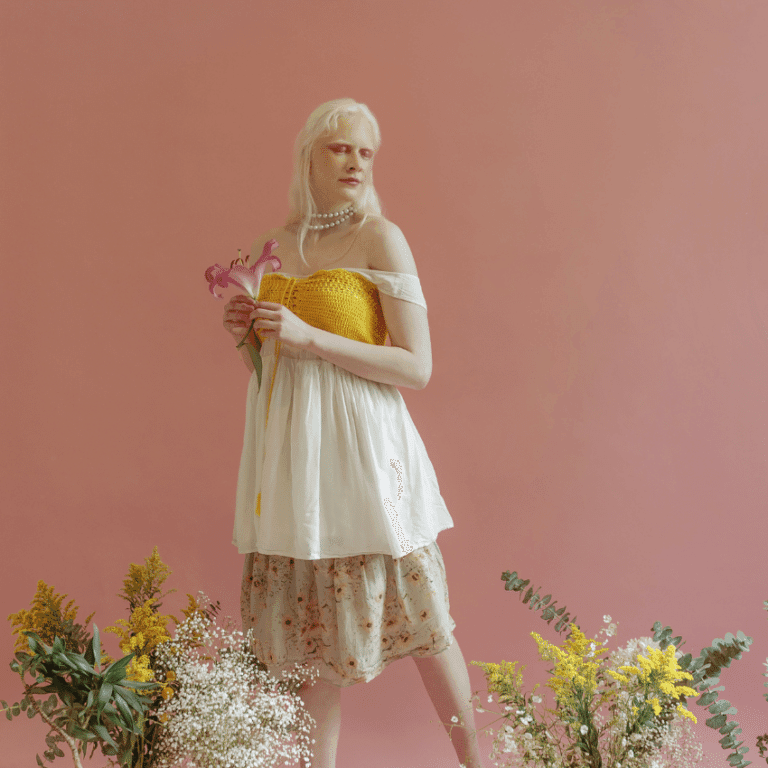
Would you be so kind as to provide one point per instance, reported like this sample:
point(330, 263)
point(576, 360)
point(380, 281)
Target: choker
point(340, 216)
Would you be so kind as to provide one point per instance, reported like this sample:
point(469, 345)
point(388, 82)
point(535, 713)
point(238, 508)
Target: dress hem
point(334, 557)
point(373, 673)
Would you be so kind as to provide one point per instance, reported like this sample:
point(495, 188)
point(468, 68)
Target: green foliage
point(84, 704)
point(537, 603)
point(705, 669)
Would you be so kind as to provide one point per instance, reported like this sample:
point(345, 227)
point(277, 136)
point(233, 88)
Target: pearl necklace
point(340, 216)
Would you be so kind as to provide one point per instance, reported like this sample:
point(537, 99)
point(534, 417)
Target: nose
point(355, 161)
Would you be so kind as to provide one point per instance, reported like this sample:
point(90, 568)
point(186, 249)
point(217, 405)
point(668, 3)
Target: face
point(338, 157)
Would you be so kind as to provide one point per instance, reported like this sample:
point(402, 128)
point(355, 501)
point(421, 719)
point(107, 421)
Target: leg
point(446, 679)
point(323, 701)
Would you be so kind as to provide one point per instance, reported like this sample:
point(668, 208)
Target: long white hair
point(324, 120)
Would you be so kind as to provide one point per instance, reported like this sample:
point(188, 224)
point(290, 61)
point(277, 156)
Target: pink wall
point(584, 188)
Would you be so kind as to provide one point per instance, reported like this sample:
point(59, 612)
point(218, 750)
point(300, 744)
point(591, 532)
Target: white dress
point(340, 467)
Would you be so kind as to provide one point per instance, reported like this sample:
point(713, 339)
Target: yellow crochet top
point(335, 300)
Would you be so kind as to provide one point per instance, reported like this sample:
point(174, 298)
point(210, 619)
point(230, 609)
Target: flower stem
point(253, 351)
point(70, 741)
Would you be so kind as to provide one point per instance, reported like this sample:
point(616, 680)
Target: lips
point(350, 181)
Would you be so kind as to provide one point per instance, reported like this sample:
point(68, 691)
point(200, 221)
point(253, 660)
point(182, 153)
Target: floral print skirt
point(347, 616)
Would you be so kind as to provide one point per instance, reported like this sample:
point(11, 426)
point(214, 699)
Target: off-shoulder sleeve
point(396, 284)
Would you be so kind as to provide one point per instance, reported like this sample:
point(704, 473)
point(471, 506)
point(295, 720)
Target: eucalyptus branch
point(71, 743)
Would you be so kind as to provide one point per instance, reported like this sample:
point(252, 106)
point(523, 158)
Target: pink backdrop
point(584, 188)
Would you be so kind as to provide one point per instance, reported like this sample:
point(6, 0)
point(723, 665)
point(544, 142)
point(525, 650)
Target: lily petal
point(216, 275)
point(247, 278)
point(266, 255)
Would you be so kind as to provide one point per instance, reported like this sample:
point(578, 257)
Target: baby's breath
point(224, 711)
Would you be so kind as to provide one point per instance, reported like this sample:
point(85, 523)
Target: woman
point(338, 507)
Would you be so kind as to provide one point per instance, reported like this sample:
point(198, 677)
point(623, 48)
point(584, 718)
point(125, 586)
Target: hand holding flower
point(277, 322)
point(237, 310)
point(237, 316)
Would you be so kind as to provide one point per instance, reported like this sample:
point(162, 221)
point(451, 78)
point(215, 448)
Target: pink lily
point(247, 278)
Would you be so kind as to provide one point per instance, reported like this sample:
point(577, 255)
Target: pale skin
point(379, 244)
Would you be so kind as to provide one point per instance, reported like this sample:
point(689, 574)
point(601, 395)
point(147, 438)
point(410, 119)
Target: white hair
point(322, 121)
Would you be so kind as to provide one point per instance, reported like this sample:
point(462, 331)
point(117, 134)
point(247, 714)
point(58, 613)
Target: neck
point(331, 208)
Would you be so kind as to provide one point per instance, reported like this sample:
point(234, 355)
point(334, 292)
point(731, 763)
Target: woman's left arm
point(408, 362)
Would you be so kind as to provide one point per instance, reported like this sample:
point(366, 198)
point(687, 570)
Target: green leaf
point(78, 662)
point(717, 721)
point(125, 757)
point(35, 643)
point(103, 734)
point(722, 706)
point(728, 742)
point(130, 698)
point(116, 672)
point(96, 647)
point(64, 690)
point(256, 360)
point(31, 713)
point(707, 699)
point(112, 716)
point(139, 686)
point(125, 710)
point(58, 646)
point(105, 694)
point(82, 734)
point(39, 761)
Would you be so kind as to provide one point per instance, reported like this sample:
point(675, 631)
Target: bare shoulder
point(385, 246)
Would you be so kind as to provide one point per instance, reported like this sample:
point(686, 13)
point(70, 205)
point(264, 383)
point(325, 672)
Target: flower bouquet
point(626, 709)
point(200, 695)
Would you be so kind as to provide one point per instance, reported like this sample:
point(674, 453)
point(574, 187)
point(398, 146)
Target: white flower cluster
point(224, 712)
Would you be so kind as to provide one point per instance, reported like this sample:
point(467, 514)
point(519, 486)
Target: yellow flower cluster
point(503, 678)
point(46, 618)
point(659, 672)
point(142, 634)
point(143, 582)
point(193, 607)
point(576, 666)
